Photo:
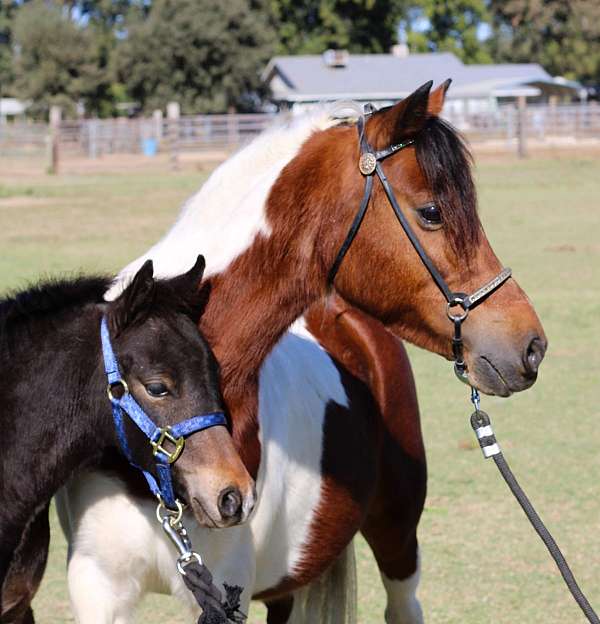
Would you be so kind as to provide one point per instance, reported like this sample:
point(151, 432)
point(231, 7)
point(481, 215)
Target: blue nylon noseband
point(157, 436)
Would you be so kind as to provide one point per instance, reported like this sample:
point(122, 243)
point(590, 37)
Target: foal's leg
point(26, 571)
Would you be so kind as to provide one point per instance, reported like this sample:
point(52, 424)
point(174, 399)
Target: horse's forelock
point(446, 162)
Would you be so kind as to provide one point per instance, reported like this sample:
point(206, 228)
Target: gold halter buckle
point(158, 446)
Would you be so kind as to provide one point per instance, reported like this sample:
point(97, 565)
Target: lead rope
point(482, 426)
point(197, 576)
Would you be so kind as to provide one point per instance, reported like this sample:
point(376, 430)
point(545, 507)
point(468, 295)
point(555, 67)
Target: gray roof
point(385, 76)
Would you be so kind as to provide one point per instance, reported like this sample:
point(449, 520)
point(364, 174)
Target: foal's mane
point(50, 297)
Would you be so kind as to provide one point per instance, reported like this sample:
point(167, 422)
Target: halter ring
point(185, 560)
point(119, 382)
point(456, 317)
point(174, 515)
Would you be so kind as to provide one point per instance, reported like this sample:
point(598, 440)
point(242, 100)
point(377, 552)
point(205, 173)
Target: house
point(11, 108)
point(299, 82)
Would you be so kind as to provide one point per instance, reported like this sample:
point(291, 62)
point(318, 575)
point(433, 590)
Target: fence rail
point(201, 133)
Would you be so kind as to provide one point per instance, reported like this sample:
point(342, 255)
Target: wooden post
point(173, 114)
point(232, 127)
point(54, 139)
point(522, 126)
point(157, 118)
point(92, 125)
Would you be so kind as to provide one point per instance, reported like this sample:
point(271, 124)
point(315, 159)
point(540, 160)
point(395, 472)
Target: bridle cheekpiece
point(369, 165)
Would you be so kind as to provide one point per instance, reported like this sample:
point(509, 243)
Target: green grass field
point(481, 560)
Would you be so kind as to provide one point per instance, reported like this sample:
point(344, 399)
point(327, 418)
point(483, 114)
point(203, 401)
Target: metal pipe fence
point(501, 128)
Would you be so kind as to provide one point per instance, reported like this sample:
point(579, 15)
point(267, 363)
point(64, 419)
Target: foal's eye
point(430, 216)
point(157, 389)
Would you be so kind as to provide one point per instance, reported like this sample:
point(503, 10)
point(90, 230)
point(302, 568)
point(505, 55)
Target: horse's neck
point(251, 305)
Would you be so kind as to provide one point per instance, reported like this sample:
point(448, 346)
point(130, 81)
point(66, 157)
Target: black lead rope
point(215, 610)
point(482, 426)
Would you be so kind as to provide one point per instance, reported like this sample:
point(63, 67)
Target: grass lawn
point(481, 560)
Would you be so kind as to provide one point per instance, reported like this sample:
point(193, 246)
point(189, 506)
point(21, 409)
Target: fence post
point(232, 127)
point(173, 114)
point(92, 126)
point(522, 126)
point(53, 139)
point(157, 119)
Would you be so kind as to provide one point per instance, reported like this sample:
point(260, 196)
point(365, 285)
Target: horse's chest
point(316, 468)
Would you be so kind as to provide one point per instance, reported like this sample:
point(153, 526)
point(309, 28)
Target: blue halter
point(157, 436)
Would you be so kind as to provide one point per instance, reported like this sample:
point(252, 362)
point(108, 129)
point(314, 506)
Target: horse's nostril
point(230, 503)
point(534, 355)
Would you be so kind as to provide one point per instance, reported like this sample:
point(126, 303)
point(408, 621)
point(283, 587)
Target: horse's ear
point(437, 97)
point(134, 300)
point(405, 119)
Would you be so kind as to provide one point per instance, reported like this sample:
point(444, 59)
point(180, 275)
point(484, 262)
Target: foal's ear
point(405, 119)
point(190, 287)
point(134, 300)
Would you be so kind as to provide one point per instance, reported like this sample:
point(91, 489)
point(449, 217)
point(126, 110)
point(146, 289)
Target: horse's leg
point(26, 570)
point(364, 346)
point(395, 510)
point(391, 531)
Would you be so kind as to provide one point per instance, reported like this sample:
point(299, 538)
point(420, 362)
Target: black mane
point(446, 163)
point(50, 297)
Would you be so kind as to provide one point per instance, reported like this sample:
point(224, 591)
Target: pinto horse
point(328, 461)
point(56, 418)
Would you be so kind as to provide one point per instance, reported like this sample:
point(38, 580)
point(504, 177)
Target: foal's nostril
point(534, 354)
point(230, 503)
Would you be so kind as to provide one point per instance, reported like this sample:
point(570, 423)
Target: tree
point(56, 62)
point(7, 10)
point(313, 26)
point(564, 37)
point(449, 26)
point(205, 54)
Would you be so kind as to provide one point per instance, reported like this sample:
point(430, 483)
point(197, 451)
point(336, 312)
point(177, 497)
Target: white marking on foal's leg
point(93, 597)
point(403, 607)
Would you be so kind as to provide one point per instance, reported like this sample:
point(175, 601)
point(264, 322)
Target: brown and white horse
point(331, 458)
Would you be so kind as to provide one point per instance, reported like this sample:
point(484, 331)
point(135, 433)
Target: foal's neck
point(57, 423)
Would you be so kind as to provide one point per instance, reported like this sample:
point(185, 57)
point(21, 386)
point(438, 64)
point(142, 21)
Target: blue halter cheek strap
point(157, 436)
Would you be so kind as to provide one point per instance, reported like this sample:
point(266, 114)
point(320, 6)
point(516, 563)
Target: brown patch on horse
point(373, 354)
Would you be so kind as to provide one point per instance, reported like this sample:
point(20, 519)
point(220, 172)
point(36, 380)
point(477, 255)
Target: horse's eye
point(430, 215)
point(157, 389)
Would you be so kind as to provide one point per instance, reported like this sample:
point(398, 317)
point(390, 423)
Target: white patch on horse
point(403, 606)
point(299, 375)
point(222, 219)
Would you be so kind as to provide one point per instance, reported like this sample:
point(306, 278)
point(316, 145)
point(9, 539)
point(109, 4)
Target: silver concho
point(367, 163)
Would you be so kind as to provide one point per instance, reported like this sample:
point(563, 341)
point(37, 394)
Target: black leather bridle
point(369, 165)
